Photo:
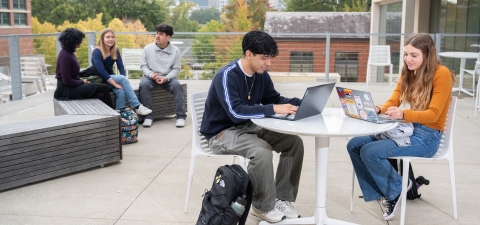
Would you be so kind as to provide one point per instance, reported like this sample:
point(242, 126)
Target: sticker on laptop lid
point(352, 108)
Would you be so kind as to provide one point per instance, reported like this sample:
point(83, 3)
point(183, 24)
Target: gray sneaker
point(142, 110)
point(147, 123)
point(271, 216)
point(287, 209)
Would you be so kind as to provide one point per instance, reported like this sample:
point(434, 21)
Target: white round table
point(463, 56)
point(331, 123)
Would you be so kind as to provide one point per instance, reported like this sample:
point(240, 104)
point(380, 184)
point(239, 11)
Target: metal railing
point(342, 54)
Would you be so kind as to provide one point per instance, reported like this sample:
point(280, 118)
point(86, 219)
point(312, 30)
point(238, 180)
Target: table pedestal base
point(321, 172)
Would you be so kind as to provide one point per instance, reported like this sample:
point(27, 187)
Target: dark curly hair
point(70, 38)
point(164, 28)
point(259, 42)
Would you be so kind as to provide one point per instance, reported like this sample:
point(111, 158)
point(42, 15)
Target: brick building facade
point(16, 18)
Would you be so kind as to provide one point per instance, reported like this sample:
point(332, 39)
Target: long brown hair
point(103, 47)
point(417, 85)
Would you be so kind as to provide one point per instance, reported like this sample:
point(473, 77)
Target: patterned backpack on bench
point(129, 125)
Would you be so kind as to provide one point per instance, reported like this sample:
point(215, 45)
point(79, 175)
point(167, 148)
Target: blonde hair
point(103, 47)
point(417, 85)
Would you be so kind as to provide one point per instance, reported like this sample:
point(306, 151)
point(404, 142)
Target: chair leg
point(404, 190)
point(190, 179)
point(353, 189)
point(454, 189)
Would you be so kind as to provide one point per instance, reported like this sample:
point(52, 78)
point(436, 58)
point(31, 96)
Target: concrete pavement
point(148, 186)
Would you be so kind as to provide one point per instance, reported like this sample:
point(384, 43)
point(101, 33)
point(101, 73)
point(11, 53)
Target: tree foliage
point(310, 5)
point(203, 16)
point(257, 10)
point(150, 12)
point(356, 6)
point(179, 18)
point(236, 16)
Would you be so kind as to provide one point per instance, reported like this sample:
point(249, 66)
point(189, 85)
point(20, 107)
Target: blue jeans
point(125, 93)
point(375, 174)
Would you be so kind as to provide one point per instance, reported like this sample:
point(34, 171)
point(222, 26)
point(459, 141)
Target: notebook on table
point(359, 105)
point(313, 102)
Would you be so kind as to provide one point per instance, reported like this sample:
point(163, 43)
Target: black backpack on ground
point(413, 192)
point(230, 182)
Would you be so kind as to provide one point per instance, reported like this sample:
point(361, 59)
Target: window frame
point(4, 21)
point(18, 19)
point(301, 61)
point(17, 4)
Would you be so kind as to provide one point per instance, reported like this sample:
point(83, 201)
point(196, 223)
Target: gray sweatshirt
point(400, 135)
point(165, 62)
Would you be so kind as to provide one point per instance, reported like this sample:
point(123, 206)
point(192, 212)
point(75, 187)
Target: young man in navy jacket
point(243, 90)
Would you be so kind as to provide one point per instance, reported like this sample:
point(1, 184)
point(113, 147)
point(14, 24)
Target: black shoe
point(394, 204)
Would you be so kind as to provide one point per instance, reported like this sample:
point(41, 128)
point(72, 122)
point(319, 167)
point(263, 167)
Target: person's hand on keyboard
point(285, 109)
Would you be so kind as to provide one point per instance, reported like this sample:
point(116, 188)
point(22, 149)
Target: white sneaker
point(147, 123)
point(287, 209)
point(180, 123)
point(142, 110)
point(271, 216)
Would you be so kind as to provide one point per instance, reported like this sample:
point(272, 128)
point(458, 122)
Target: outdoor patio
point(148, 186)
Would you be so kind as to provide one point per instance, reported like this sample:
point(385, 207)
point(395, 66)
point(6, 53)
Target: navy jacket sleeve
point(120, 67)
point(97, 60)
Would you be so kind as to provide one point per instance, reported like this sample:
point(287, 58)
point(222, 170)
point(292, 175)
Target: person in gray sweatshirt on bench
point(160, 65)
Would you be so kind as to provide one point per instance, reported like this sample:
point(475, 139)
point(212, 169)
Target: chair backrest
point(197, 107)
point(31, 66)
point(132, 56)
point(379, 55)
point(446, 142)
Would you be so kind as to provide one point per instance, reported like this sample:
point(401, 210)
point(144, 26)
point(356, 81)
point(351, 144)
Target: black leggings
point(103, 94)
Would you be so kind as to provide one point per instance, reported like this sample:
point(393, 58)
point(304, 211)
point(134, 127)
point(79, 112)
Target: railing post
point(58, 45)
point(438, 42)
point(327, 58)
point(90, 42)
point(15, 70)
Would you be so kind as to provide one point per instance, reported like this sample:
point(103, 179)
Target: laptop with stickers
point(359, 105)
point(313, 102)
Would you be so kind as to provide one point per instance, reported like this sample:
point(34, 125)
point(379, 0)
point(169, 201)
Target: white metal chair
point(445, 151)
point(32, 72)
point(379, 55)
point(474, 73)
point(477, 98)
point(131, 59)
point(199, 143)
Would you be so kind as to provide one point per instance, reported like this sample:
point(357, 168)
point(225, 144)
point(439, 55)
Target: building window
point(4, 19)
point(301, 61)
point(4, 4)
point(20, 19)
point(346, 64)
point(19, 4)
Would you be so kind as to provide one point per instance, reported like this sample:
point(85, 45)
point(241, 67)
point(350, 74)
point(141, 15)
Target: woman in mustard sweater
point(423, 90)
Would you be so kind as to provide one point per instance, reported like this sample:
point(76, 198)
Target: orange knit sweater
point(436, 114)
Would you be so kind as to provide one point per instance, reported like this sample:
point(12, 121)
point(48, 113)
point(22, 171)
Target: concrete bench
point(45, 148)
point(162, 101)
point(303, 77)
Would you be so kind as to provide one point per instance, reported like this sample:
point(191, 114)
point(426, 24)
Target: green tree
point(310, 5)
point(202, 16)
point(150, 12)
point(202, 46)
point(356, 6)
point(45, 45)
point(179, 18)
point(257, 10)
point(236, 16)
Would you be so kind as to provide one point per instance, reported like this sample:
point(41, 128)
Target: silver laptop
point(359, 105)
point(313, 102)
